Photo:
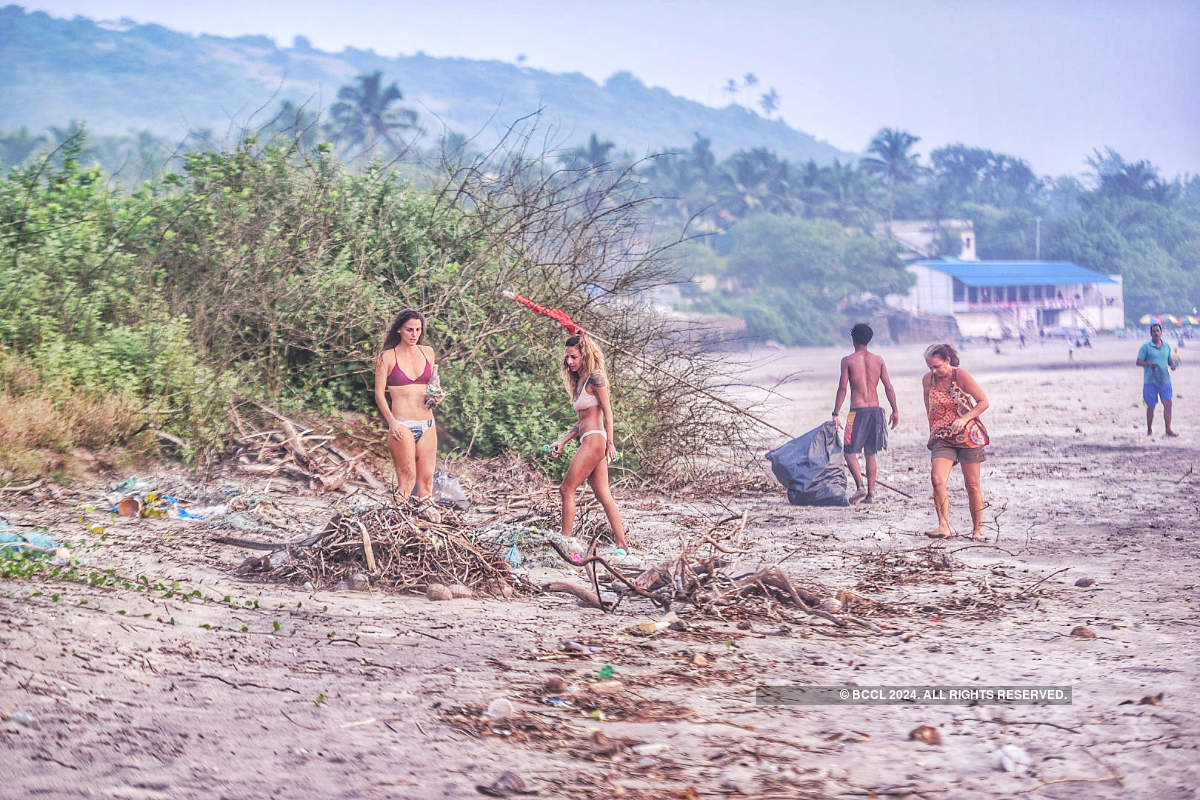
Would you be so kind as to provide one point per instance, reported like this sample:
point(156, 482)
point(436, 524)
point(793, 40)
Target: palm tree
point(592, 157)
point(294, 122)
point(893, 158)
point(364, 114)
point(769, 102)
point(731, 88)
point(847, 193)
point(755, 180)
point(749, 81)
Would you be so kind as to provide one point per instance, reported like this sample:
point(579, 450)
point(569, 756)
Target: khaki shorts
point(959, 455)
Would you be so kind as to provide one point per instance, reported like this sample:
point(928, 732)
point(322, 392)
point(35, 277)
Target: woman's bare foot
point(976, 535)
point(428, 510)
point(858, 496)
point(940, 533)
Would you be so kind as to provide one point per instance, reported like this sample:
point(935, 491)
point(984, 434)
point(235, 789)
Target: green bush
point(271, 273)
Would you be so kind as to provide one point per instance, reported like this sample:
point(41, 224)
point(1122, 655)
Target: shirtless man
point(862, 370)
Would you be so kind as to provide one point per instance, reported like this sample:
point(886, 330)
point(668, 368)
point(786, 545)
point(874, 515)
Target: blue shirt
point(1160, 374)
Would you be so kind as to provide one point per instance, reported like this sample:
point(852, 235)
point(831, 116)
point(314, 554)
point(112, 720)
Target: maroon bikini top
point(397, 377)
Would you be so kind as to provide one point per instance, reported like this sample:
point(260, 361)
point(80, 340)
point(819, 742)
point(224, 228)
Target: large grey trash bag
point(810, 466)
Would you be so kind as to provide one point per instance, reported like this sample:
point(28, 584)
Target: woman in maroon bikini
point(412, 434)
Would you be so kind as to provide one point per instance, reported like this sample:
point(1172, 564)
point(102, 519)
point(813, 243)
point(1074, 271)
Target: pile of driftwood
point(701, 576)
point(394, 549)
point(289, 449)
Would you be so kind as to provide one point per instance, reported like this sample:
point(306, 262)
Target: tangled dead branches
point(398, 551)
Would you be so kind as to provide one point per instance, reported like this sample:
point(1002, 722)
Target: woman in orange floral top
point(945, 421)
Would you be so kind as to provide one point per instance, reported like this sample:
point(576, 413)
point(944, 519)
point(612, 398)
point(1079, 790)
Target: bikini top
point(397, 377)
point(586, 399)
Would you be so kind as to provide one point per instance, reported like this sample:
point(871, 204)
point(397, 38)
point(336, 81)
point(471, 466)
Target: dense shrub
point(270, 272)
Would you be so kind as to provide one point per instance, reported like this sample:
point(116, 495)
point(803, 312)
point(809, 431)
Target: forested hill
point(125, 77)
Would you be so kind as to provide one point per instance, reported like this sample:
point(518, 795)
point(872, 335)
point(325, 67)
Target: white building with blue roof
point(1002, 299)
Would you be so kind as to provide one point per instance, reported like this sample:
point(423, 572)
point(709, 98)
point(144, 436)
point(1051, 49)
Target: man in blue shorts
point(1156, 359)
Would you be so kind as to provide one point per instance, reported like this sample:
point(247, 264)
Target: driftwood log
point(296, 452)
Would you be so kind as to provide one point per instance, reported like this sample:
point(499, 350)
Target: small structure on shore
point(1000, 299)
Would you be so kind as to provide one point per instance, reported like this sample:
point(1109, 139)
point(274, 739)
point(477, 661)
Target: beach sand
point(265, 690)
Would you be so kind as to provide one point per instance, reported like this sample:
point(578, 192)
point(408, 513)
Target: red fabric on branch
point(555, 314)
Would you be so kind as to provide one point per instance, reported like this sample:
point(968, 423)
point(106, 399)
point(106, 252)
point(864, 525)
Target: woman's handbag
point(973, 434)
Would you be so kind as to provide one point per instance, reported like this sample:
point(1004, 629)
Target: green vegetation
point(146, 285)
point(270, 271)
point(785, 275)
point(792, 243)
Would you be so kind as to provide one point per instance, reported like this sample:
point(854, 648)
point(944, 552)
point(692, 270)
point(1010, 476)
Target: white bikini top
point(586, 400)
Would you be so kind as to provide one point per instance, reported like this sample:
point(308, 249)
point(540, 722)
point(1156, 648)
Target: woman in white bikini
point(583, 374)
point(412, 434)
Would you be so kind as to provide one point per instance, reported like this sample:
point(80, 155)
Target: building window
point(1037, 293)
point(966, 242)
point(1025, 293)
point(960, 291)
point(973, 295)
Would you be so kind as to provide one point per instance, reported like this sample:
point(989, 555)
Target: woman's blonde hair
point(593, 363)
point(945, 352)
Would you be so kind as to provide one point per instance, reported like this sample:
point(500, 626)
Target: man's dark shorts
point(866, 431)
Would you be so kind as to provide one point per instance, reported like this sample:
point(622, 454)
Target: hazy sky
point(1047, 80)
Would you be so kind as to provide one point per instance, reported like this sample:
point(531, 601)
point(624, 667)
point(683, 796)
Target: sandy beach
point(220, 686)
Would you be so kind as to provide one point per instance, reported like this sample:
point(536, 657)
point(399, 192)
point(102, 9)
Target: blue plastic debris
point(18, 540)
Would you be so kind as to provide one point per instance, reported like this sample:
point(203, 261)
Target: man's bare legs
point(1167, 417)
point(856, 471)
point(1150, 420)
point(939, 476)
point(974, 497)
point(872, 473)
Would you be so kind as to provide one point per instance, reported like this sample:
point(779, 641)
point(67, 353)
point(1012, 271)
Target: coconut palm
point(769, 102)
point(293, 121)
point(847, 194)
point(366, 112)
point(894, 160)
point(592, 157)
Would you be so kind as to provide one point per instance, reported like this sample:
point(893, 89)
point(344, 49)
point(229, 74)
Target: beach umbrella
point(1174, 320)
point(1190, 320)
point(1145, 320)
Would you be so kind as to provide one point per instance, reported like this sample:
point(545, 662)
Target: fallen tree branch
point(1024, 592)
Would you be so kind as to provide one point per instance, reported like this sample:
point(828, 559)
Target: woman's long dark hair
point(392, 337)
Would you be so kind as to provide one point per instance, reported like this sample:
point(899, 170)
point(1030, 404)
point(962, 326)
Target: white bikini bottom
point(586, 434)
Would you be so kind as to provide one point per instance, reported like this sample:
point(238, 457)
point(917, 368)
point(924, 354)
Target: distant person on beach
point(1156, 360)
point(412, 434)
point(954, 401)
point(866, 433)
point(583, 374)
